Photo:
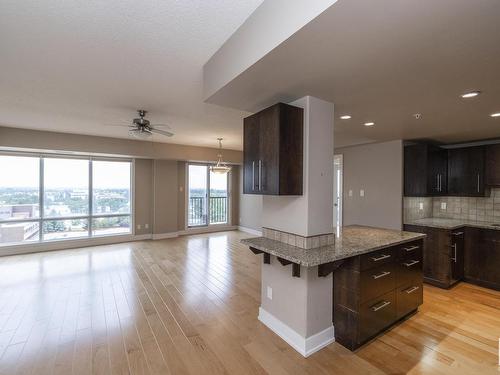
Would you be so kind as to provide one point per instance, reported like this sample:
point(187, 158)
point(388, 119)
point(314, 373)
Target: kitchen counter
point(353, 240)
point(452, 223)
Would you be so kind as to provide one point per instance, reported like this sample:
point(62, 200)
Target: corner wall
point(377, 169)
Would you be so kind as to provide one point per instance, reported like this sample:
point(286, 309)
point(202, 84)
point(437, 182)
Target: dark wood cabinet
point(375, 290)
point(273, 151)
point(482, 257)
point(425, 170)
point(443, 255)
point(493, 165)
point(466, 171)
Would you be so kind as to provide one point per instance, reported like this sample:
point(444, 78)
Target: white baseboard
point(211, 229)
point(162, 236)
point(250, 230)
point(304, 345)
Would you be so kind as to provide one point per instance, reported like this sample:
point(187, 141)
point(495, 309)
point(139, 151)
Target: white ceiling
point(73, 66)
point(384, 61)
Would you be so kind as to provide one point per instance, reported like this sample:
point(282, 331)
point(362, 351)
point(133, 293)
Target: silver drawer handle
point(412, 263)
point(411, 248)
point(458, 233)
point(382, 257)
point(411, 290)
point(375, 277)
point(384, 304)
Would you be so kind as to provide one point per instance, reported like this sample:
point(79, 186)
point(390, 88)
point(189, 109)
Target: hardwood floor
point(189, 306)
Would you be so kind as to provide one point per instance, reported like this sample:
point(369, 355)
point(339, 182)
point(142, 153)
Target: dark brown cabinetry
point(443, 255)
point(273, 151)
point(482, 257)
point(375, 290)
point(425, 170)
point(466, 171)
point(493, 165)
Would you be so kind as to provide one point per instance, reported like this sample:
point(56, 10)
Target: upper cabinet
point(467, 172)
point(425, 170)
point(493, 165)
point(273, 151)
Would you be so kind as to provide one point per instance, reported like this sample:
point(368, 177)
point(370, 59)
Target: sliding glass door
point(208, 196)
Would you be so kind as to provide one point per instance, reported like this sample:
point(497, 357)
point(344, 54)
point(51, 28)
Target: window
point(207, 196)
point(47, 198)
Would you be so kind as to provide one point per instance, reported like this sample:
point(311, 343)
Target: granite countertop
point(452, 223)
point(353, 240)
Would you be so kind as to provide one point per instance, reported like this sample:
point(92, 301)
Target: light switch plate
point(361, 193)
point(443, 205)
point(146, 226)
point(421, 205)
point(269, 292)
point(350, 193)
point(139, 226)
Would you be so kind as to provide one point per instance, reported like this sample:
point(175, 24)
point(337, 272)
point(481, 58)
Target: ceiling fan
point(143, 129)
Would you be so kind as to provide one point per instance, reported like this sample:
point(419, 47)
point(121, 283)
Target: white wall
point(250, 208)
point(376, 168)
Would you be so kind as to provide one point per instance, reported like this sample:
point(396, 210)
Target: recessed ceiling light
point(369, 123)
point(345, 117)
point(470, 94)
point(495, 114)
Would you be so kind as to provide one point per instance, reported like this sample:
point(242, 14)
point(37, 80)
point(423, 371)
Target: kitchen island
point(377, 281)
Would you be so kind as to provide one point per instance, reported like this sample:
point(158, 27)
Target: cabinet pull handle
point(412, 263)
point(457, 233)
point(411, 248)
point(411, 290)
point(478, 182)
point(440, 182)
point(253, 176)
point(382, 257)
point(375, 277)
point(437, 182)
point(454, 246)
point(377, 308)
point(260, 175)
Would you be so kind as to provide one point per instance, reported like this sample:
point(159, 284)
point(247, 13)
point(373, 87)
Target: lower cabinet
point(375, 290)
point(482, 257)
point(443, 255)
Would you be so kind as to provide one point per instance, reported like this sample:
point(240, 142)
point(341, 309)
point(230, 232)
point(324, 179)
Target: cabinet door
point(416, 182)
point(457, 255)
point(437, 175)
point(268, 162)
point(482, 257)
point(251, 154)
point(493, 165)
point(466, 171)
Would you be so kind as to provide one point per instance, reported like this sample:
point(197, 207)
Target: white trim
point(250, 230)
point(209, 229)
point(162, 236)
point(69, 244)
point(304, 345)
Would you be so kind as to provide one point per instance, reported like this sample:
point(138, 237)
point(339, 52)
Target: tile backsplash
point(479, 209)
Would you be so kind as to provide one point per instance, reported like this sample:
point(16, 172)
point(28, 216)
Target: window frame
point(207, 201)
point(90, 216)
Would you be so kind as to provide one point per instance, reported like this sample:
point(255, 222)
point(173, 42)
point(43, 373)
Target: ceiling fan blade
point(160, 126)
point(162, 132)
point(121, 125)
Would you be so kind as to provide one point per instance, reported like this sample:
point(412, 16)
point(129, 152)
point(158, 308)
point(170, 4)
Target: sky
point(198, 178)
point(20, 171)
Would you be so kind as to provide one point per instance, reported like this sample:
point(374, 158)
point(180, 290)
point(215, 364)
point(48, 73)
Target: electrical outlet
point(421, 205)
point(146, 226)
point(361, 193)
point(350, 193)
point(443, 205)
point(181, 188)
point(139, 226)
point(269, 292)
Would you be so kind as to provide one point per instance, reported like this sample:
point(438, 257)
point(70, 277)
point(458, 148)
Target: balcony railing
point(197, 214)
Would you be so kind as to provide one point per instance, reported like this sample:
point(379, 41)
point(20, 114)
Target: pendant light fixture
point(220, 167)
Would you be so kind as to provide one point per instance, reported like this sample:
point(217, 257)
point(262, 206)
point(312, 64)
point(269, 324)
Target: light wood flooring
point(189, 306)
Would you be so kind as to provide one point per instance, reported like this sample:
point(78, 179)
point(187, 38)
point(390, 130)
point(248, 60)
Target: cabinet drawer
point(377, 258)
point(408, 298)
point(376, 315)
point(411, 250)
point(377, 281)
point(409, 271)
